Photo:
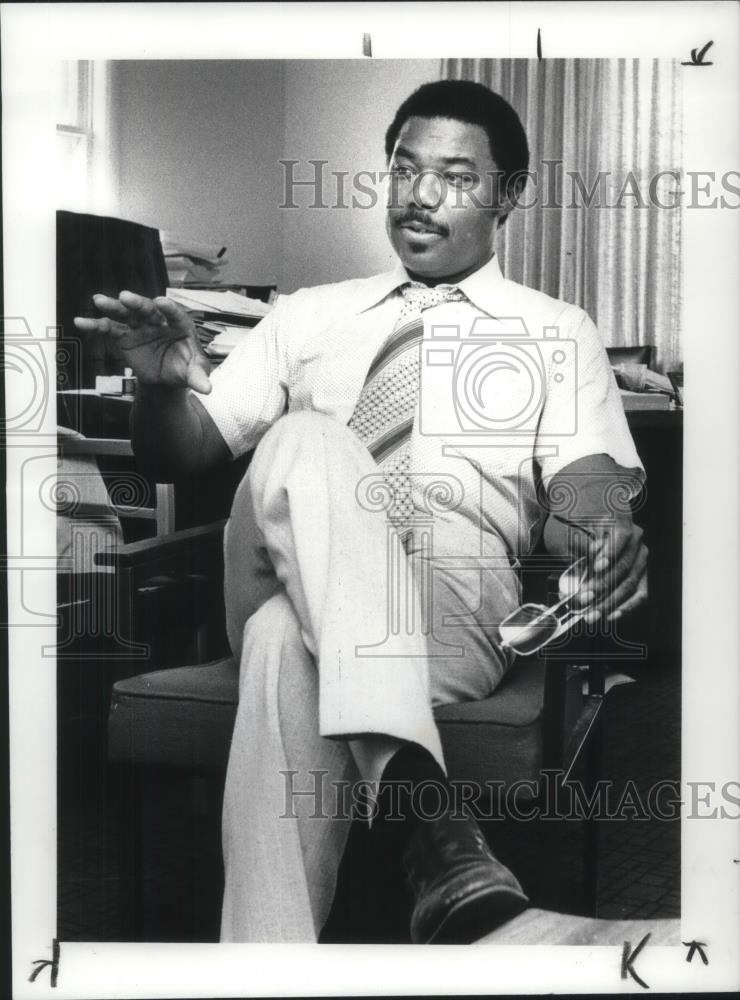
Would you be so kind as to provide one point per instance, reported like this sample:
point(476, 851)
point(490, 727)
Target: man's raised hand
point(156, 337)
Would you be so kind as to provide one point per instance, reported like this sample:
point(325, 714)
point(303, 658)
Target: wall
point(194, 144)
point(339, 111)
point(197, 148)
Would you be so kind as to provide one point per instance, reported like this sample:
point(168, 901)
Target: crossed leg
point(305, 570)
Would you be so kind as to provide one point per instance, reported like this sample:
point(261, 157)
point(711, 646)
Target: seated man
point(350, 419)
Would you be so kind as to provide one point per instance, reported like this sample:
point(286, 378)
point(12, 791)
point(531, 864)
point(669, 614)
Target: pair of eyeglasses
point(533, 626)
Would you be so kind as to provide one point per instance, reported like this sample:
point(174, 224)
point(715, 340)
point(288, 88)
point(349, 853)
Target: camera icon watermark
point(494, 378)
point(34, 367)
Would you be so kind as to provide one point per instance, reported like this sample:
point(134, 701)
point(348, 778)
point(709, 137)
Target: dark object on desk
point(261, 292)
point(95, 415)
point(652, 401)
point(228, 319)
point(640, 354)
point(677, 383)
point(99, 254)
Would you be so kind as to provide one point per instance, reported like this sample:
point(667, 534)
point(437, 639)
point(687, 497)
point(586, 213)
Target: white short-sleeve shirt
point(515, 385)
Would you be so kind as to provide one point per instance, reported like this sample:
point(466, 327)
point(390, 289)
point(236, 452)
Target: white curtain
point(617, 257)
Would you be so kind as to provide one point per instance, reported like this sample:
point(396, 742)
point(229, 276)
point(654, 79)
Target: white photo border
point(33, 37)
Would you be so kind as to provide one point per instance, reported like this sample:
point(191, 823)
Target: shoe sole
point(474, 917)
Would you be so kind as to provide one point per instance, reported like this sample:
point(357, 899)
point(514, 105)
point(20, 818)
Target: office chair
point(180, 719)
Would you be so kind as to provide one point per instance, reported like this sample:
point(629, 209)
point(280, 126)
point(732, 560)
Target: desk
point(104, 421)
point(638, 419)
point(658, 436)
point(96, 416)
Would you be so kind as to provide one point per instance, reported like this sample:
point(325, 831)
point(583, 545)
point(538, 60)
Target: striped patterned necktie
point(384, 415)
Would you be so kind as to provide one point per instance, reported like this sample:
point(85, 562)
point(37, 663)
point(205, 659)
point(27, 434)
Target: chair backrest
point(100, 254)
point(80, 454)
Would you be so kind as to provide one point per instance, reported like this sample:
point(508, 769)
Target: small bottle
point(128, 385)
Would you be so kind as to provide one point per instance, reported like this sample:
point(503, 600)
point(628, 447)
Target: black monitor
point(641, 354)
point(99, 254)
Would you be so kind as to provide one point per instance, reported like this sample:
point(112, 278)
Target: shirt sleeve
point(583, 412)
point(250, 388)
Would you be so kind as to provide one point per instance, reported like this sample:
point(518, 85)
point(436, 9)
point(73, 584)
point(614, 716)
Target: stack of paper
point(206, 300)
point(207, 252)
point(222, 318)
point(189, 260)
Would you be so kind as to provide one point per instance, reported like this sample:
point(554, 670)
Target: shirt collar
point(381, 285)
point(481, 287)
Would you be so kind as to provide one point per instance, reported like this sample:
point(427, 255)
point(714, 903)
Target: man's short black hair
point(474, 103)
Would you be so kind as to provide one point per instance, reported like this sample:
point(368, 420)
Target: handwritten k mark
point(696, 947)
point(697, 56)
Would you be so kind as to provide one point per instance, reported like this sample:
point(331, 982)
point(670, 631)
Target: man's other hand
point(603, 531)
point(156, 337)
point(616, 578)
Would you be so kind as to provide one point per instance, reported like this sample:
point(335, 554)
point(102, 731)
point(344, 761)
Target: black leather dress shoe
point(461, 891)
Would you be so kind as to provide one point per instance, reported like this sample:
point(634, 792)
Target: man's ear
point(502, 215)
point(504, 210)
point(510, 197)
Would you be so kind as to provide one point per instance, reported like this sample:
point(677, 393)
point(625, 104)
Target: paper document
point(225, 342)
point(206, 300)
point(174, 245)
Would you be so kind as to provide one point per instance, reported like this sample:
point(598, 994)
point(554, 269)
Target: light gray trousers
point(345, 644)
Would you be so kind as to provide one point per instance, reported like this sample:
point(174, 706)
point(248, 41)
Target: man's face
point(440, 185)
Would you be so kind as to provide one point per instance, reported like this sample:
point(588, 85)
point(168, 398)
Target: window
point(83, 147)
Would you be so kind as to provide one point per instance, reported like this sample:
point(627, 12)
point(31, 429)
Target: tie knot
point(418, 297)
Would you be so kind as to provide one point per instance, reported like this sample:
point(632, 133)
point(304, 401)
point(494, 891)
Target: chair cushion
point(184, 716)
point(497, 739)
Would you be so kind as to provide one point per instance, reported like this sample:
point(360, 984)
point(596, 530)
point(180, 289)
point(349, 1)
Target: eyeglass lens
point(521, 636)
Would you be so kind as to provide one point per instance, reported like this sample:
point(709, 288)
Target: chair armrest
point(163, 547)
point(539, 574)
point(94, 446)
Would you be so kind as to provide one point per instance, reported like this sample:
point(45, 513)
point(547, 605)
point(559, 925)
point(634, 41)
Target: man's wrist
point(585, 499)
point(159, 392)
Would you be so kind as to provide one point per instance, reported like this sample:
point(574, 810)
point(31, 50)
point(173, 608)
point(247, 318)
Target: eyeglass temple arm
point(575, 524)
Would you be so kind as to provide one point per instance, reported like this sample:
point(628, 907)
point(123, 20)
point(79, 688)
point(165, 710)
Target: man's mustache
point(422, 219)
